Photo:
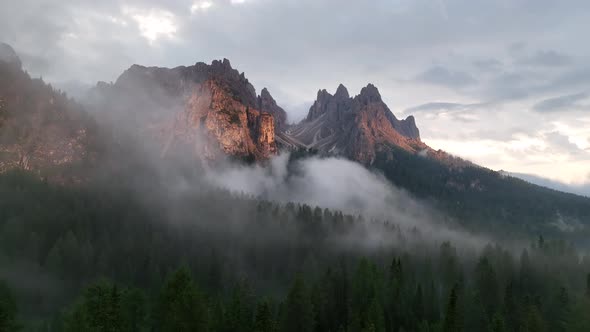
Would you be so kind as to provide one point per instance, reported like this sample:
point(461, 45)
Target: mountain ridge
point(212, 111)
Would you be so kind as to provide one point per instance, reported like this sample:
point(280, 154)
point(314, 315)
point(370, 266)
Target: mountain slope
point(41, 130)
point(359, 128)
point(363, 128)
point(210, 110)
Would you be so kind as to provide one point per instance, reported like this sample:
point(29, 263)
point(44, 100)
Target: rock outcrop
point(210, 109)
point(9, 56)
point(357, 127)
point(266, 103)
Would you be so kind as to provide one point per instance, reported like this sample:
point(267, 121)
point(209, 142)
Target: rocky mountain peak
point(407, 127)
point(266, 103)
point(173, 105)
point(323, 95)
point(8, 55)
point(369, 94)
point(341, 93)
point(357, 128)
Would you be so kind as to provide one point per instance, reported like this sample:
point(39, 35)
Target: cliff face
point(266, 103)
point(210, 109)
point(41, 130)
point(357, 127)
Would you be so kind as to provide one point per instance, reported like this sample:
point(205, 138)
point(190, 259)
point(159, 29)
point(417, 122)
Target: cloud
point(514, 53)
point(200, 6)
point(560, 142)
point(436, 106)
point(464, 113)
point(448, 106)
point(562, 103)
point(547, 58)
point(342, 185)
point(153, 23)
point(489, 65)
point(442, 76)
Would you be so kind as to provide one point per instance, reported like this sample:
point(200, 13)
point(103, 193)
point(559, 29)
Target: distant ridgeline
point(489, 201)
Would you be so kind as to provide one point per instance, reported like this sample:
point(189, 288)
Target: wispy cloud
point(563, 103)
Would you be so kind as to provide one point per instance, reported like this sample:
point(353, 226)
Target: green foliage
point(453, 319)
point(300, 276)
point(298, 315)
point(482, 199)
point(104, 307)
point(181, 306)
point(264, 320)
point(8, 310)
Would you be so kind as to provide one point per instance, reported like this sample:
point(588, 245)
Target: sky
point(503, 83)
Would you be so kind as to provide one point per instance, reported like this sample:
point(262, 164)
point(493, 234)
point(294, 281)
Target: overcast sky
point(504, 83)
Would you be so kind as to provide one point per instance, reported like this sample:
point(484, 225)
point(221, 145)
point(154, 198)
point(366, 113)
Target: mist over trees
point(98, 259)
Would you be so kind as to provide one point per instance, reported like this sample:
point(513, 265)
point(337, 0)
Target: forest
point(100, 258)
point(482, 199)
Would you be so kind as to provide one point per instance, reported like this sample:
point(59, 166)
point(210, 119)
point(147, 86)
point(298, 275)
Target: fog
point(346, 186)
point(137, 115)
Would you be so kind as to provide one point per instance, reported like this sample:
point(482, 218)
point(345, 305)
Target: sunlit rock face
point(359, 128)
point(355, 127)
point(211, 110)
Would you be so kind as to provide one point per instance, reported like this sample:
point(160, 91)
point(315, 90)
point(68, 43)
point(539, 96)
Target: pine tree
point(8, 310)
point(498, 324)
point(561, 311)
point(264, 321)
point(134, 310)
point(299, 314)
point(181, 307)
point(239, 311)
point(453, 320)
point(487, 287)
point(510, 308)
point(418, 305)
point(115, 318)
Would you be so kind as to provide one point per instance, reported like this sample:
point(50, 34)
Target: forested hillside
point(103, 259)
point(489, 201)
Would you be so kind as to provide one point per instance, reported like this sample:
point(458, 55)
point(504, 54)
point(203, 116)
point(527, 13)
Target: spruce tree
point(263, 321)
point(299, 314)
point(8, 309)
point(453, 319)
point(180, 306)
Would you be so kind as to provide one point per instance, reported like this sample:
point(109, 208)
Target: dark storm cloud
point(562, 103)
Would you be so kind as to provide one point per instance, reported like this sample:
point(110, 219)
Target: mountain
point(211, 110)
point(581, 189)
point(208, 111)
point(359, 128)
point(356, 127)
point(363, 128)
point(41, 129)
